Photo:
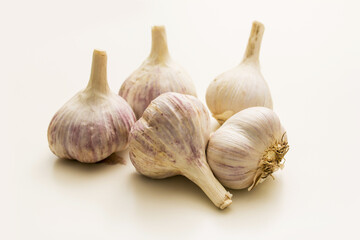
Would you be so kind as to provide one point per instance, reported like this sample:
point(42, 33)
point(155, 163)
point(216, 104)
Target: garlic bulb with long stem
point(247, 148)
point(94, 123)
point(156, 75)
point(170, 139)
point(243, 86)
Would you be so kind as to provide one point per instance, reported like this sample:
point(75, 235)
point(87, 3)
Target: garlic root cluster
point(156, 75)
point(94, 123)
point(170, 139)
point(243, 86)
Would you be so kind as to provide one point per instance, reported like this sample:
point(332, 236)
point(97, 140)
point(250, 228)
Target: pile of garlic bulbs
point(167, 128)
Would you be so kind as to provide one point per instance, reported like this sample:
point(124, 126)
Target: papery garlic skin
point(247, 148)
point(156, 75)
point(94, 123)
point(243, 86)
point(170, 139)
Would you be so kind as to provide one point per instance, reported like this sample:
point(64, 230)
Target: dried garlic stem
point(205, 179)
point(254, 43)
point(271, 161)
point(159, 49)
point(98, 77)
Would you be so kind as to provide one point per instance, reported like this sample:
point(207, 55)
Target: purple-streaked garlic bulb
point(243, 86)
point(170, 139)
point(156, 75)
point(94, 123)
point(247, 148)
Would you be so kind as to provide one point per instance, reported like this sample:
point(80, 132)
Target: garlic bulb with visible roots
point(241, 87)
point(170, 139)
point(94, 123)
point(247, 148)
point(156, 75)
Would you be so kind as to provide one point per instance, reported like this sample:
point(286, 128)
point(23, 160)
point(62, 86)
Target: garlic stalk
point(170, 139)
point(94, 123)
point(247, 148)
point(243, 86)
point(156, 75)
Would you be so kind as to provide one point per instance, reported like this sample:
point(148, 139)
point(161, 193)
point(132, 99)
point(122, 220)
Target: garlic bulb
point(156, 75)
point(247, 148)
point(94, 123)
point(242, 86)
point(170, 139)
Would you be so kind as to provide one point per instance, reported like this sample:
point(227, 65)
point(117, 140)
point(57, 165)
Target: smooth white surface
point(309, 57)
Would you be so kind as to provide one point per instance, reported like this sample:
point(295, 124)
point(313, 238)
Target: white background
point(309, 57)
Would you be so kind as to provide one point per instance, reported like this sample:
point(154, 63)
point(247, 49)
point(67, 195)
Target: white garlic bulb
point(156, 75)
point(94, 123)
point(247, 148)
point(170, 139)
point(242, 86)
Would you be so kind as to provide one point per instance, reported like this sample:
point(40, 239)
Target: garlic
point(156, 75)
point(94, 123)
point(170, 139)
point(247, 148)
point(243, 86)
